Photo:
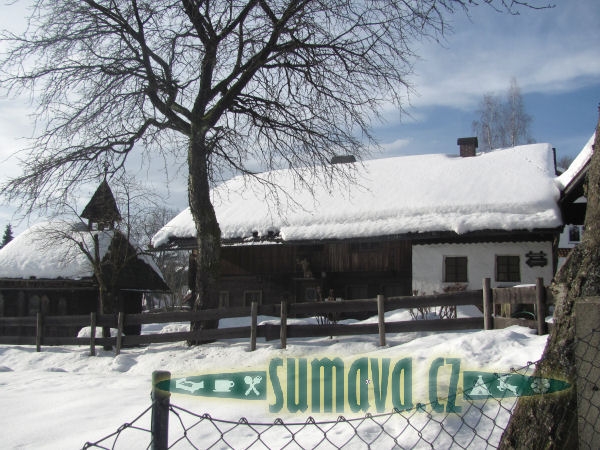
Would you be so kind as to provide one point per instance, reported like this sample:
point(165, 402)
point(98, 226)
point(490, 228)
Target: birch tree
point(502, 121)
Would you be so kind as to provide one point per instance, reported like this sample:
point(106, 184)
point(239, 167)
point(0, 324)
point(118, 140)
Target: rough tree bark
point(208, 232)
point(550, 421)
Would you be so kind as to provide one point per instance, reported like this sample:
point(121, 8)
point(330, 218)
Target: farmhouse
point(53, 268)
point(573, 202)
point(407, 225)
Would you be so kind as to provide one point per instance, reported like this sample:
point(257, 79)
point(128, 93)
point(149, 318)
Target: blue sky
point(554, 55)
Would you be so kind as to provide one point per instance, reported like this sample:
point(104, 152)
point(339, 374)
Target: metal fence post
point(160, 412)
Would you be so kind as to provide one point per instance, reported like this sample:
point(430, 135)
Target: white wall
point(428, 264)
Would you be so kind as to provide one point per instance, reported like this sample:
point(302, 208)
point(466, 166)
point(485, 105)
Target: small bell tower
point(102, 209)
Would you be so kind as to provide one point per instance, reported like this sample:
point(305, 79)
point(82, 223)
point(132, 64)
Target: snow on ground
point(62, 398)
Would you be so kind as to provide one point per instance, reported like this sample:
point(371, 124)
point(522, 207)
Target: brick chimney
point(468, 146)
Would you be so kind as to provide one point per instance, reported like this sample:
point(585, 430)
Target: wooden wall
point(59, 302)
point(297, 273)
point(386, 256)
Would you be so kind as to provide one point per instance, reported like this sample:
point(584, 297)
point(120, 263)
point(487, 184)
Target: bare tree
point(105, 241)
point(490, 126)
point(173, 264)
point(106, 252)
point(274, 82)
point(503, 122)
point(564, 162)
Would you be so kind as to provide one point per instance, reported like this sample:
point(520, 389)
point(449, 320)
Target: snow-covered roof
point(578, 164)
point(508, 189)
point(50, 250)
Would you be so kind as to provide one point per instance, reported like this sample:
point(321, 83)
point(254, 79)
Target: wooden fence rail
point(486, 299)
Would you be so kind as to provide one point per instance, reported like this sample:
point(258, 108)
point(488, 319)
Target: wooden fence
point(488, 300)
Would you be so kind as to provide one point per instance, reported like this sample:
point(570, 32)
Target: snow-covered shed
point(404, 225)
point(54, 267)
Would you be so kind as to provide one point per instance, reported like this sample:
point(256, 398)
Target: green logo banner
point(240, 385)
point(328, 385)
point(481, 385)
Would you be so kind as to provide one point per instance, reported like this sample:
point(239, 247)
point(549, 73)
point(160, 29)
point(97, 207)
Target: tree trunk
point(104, 300)
point(550, 421)
point(207, 229)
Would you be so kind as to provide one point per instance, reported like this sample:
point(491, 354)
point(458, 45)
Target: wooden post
point(159, 425)
point(381, 319)
point(120, 320)
point(540, 305)
point(488, 305)
point(39, 331)
point(92, 334)
point(253, 325)
point(283, 328)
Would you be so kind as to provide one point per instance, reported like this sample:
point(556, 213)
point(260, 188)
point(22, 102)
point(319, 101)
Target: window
point(508, 268)
point(311, 294)
point(455, 269)
point(252, 296)
point(574, 234)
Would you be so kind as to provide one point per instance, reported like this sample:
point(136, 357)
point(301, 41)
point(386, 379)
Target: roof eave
point(489, 235)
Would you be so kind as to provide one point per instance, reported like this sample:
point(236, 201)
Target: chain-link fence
point(588, 390)
point(587, 357)
point(479, 425)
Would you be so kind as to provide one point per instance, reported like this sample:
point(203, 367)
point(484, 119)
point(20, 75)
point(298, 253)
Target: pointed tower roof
point(102, 207)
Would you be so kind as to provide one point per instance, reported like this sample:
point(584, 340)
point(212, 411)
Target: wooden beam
point(39, 331)
point(488, 305)
point(540, 306)
point(119, 332)
point(93, 334)
point(381, 319)
point(283, 329)
point(253, 325)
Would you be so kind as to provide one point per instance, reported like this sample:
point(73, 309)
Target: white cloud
point(394, 148)
point(548, 51)
point(15, 126)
